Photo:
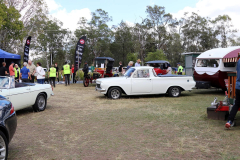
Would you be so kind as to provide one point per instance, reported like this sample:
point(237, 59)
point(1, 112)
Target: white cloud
point(70, 19)
point(52, 5)
point(130, 24)
point(213, 8)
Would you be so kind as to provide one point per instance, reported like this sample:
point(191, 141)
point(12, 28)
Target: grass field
point(80, 123)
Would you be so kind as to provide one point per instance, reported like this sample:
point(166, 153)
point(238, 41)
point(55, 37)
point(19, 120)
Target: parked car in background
point(8, 125)
point(160, 66)
point(23, 95)
point(142, 81)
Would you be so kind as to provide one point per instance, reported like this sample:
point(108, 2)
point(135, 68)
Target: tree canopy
point(158, 36)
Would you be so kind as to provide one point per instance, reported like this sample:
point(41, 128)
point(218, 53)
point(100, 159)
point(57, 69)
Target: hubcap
point(2, 148)
point(115, 94)
point(41, 102)
point(175, 92)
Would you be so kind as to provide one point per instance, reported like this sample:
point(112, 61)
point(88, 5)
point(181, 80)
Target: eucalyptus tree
point(140, 35)
point(33, 14)
point(99, 35)
point(11, 28)
point(50, 43)
point(123, 42)
point(225, 29)
point(174, 49)
point(160, 24)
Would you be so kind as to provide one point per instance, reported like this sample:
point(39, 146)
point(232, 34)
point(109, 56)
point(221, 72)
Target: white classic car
point(23, 95)
point(143, 80)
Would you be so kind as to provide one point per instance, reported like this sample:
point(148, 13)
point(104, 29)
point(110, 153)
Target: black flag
point(26, 49)
point(79, 52)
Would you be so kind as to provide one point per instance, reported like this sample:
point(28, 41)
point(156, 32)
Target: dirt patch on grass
point(80, 123)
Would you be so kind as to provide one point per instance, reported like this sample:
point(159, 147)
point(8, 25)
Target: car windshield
point(129, 72)
point(100, 63)
point(4, 82)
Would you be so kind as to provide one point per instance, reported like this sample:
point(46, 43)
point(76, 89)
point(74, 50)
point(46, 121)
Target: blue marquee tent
point(6, 55)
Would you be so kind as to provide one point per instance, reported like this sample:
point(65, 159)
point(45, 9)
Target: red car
point(160, 66)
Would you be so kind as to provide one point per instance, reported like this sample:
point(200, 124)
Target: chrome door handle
point(28, 88)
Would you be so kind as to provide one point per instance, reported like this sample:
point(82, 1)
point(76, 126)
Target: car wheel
point(40, 103)
point(115, 93)
point(3, 146)
point(174, 92)
point(86, 82)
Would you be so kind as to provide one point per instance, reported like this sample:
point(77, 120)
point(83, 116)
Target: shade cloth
point(6, 55)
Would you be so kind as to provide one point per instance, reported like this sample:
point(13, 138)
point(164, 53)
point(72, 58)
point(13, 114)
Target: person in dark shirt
point(85, 69)
point(57, 72)
point(120, 68)
point(3, 70)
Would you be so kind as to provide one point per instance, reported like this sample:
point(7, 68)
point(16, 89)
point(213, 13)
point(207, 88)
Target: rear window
point(208, 63)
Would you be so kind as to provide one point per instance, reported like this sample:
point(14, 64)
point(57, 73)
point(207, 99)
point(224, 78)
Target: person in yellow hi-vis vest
point(66, 71)
point(52, 75)
point(17, 72)
point(180, 69)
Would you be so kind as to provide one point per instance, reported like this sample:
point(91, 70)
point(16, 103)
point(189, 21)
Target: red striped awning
point(226, 60)
point(231, 56)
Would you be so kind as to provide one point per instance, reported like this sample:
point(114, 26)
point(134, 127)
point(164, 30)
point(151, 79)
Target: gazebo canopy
point(6, 55)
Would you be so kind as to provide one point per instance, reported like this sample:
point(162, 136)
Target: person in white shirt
point(169, 69)
point(40, 73)
point(137, 64)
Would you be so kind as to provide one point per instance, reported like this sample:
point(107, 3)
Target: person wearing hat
point(66, 71)
point(85, 68)
point(137, 64)
point(180, 69)
point(11, 70)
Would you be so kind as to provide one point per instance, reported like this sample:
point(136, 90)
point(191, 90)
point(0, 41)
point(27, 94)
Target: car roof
point(157, 61)
point(104, 58)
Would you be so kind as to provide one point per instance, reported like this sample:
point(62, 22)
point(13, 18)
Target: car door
point(141, 81)
point(20, 97)
point(5, 93)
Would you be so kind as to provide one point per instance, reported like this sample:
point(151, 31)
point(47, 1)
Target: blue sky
point(69, 11)
point(127, 10)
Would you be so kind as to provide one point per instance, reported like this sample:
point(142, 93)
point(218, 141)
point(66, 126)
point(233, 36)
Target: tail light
point(52, 88)
point(12, 109)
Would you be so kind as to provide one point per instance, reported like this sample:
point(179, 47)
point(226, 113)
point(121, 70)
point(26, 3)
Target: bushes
point(80, 75)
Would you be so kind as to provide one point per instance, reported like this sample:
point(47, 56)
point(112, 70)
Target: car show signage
point(79, 52)
point(26, 49)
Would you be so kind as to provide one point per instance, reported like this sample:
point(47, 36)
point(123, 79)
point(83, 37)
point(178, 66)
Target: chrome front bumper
point(100, 89)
